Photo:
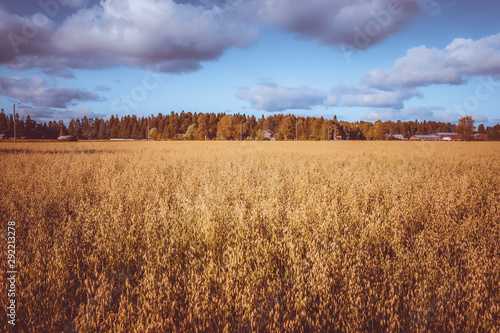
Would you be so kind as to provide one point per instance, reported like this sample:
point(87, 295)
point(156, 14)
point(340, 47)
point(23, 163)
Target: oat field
point(253, 236)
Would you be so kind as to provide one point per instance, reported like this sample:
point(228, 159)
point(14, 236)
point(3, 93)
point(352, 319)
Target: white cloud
point(453, 117)
point(479, 118)
point(435, 113)
point(422, 66)
point(273, 97)
point(45, 114)
point(420, 113)
point(140, 32)
point(374, 115)
point(447, 117)
point(40, 93)
point(343, 95)
point(492, 122)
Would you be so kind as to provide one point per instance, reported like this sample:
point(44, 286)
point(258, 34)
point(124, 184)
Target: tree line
point(210, 126)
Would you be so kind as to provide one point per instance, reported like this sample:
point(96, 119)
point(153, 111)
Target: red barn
point(480, 136)
point(452, 136)
point(431, 137)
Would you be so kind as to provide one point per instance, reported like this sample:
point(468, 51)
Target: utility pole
point(241, 131)
point(15, 121)
point(148, 128)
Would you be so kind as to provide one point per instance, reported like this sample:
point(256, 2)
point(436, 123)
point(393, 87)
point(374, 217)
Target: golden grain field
point(253, 236)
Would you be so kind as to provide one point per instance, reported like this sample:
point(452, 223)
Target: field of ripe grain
point(253, 236)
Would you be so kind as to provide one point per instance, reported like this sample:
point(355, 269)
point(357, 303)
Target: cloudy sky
point(357, 59)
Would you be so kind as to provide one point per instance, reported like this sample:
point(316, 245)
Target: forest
point(211, 126)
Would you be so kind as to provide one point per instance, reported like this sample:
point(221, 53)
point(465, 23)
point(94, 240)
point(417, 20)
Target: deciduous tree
point(465, 128)
point(225, 128)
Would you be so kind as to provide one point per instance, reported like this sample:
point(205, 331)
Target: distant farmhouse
point(431, 137)
point(395, 137)
point(67, 138)
point(266, 135)
point(443, 136)
point(2, 136)
point(480, 136)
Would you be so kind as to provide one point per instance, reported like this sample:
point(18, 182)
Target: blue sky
point(357, 59)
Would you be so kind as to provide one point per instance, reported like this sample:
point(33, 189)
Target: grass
point(254, 236)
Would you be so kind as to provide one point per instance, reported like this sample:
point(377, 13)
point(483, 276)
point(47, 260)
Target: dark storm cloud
point(178, 36)
point(21, 38)
point(174, 37)
point(357, 24)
